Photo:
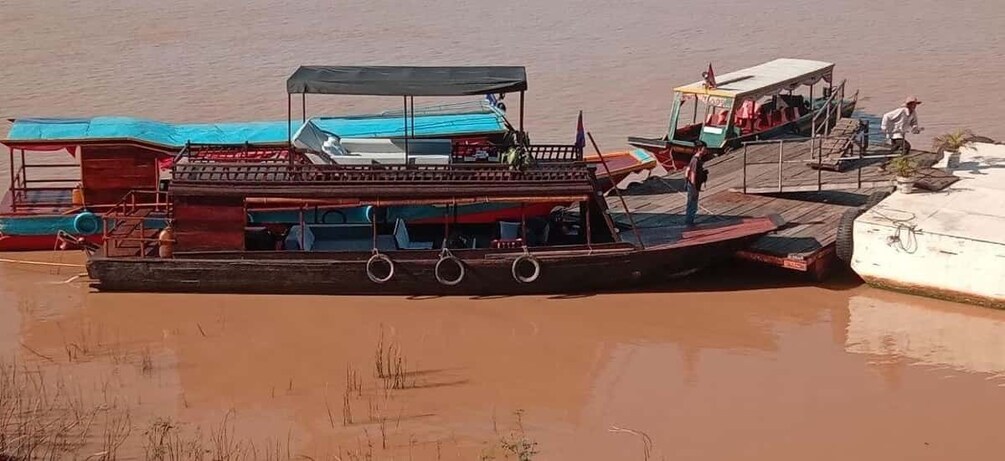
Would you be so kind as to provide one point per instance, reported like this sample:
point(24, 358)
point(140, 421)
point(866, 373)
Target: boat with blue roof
point(68, 172)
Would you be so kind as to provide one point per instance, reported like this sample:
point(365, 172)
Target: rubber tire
point(533, 261)
point(875, 198)
point(845, 244)
point(460, 267)
point(373, 260)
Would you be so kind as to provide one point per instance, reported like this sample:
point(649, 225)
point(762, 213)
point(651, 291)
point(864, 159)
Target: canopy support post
point(373, 228)
point(24, 171)
point(303, 106)
point(446, 225)
point(521, 111)
point(10, 153)
point(303, 229)
point(523, 220)
point(412, 110)
point(289, 119)
point(404, 109)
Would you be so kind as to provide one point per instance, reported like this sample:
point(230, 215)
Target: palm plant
point(903, 166)
point(952, 142)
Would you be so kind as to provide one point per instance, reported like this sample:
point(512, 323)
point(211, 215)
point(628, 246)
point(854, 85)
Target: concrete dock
point(948, 244)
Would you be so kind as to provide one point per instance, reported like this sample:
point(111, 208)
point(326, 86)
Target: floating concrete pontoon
point(948, 244)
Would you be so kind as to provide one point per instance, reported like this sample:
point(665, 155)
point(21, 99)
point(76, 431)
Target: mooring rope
point(902, 226)
point(39, 263)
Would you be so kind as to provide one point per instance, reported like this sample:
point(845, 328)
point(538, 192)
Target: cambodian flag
point(580, 133)
point(709, 76)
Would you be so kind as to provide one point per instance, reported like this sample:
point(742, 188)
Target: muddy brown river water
point(734, 364)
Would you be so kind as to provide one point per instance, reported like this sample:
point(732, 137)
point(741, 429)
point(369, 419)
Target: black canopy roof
point(407, 81)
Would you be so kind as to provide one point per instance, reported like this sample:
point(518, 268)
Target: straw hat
point(912, 100)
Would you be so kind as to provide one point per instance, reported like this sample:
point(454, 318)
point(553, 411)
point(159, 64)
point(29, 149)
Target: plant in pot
point(950, 143)
point(904, 168)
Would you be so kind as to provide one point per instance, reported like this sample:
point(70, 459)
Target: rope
point(908, 245)
point(39, 263)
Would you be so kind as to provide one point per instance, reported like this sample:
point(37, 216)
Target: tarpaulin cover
point(407, 81)
point(71, 130)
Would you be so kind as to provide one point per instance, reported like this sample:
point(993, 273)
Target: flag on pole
point(580, 133)
point(709, 77)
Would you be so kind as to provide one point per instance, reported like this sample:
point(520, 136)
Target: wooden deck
point(805, 243)
point(810, 200)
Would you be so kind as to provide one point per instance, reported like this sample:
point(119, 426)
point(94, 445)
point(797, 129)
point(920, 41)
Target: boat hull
point(563, 270)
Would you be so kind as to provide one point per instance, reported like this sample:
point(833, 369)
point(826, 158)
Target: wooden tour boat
point(106, 157)
point(211, 246)
point(752, 104)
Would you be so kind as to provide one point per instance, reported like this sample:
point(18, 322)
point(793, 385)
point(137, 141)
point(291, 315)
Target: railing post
point(820, 163)
point(861, 153)
point(745, 168)
point(781, 147)
point(840, 101)
point(142, 239)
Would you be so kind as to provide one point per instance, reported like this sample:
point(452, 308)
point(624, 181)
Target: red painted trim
point(35, 242)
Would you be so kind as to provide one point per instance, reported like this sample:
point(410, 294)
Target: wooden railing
point(246, 152)
point(124, 226)
point(255, 173)
point(22, 186)
point(544, 153)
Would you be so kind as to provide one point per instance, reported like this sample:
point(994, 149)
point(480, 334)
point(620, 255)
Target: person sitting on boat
point(895, 123)
point(694, 178)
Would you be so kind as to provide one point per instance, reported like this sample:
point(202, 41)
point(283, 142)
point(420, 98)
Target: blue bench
point(350, 237)
point(337, 237)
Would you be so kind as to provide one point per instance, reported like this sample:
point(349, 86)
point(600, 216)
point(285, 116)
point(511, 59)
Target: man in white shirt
point(896, 122)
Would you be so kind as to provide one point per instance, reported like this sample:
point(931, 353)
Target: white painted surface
point(952, 240)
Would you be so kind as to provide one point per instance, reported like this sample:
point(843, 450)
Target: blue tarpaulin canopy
point(71, 131)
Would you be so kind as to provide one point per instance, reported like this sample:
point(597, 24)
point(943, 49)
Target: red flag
point(709, 76)
point(580, 133)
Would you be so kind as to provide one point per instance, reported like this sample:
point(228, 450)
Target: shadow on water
point(745, 276)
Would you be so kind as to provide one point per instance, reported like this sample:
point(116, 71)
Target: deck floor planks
point(812, 224)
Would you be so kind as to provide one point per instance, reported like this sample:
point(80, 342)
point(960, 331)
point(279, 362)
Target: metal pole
point(820, 163)
point(811, 104)
point(373, 229)
point(861, 152)
point(303, 106)
point(404, 102)
point(412, 108)
point(10, 153)
point(446, 223)
point(840, 109)
point(781, 147)
point(523, 223)
point(617, 191)
point(24, 170)
point(303, 230)
point(521, 110)
point(745, 168)
point(289, 119)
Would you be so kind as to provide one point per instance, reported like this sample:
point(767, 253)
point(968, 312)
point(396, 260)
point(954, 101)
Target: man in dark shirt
point(694, 177)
